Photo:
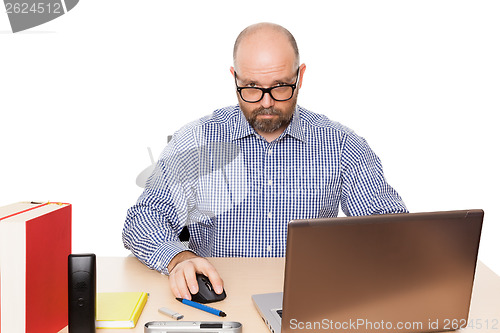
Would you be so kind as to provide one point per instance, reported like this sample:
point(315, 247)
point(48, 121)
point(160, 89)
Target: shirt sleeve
point(153, 224)
point(365, 190)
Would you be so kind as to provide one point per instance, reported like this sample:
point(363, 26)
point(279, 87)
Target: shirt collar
point(295, 129)
point(241, 126)
point(243, 129)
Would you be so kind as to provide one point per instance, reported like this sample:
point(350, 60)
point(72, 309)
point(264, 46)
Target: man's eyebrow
point(247, 81)
point(287, 80)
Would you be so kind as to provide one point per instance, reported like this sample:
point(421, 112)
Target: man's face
point(268, 115)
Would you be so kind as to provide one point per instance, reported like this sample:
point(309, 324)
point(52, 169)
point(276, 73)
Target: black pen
point(202, 307)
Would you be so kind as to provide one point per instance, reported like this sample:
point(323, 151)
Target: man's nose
point(267, 101)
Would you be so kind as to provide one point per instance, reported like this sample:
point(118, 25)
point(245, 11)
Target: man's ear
point(302, 69)
point(232, 70)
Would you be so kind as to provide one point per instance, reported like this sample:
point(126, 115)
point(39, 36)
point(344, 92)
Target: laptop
point(379, 273)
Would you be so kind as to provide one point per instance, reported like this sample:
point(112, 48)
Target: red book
point(35, 241)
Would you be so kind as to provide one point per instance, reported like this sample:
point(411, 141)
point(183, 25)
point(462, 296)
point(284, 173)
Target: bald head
point(264, 35)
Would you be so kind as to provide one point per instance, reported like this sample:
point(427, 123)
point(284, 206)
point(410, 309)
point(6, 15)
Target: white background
point(83, 96)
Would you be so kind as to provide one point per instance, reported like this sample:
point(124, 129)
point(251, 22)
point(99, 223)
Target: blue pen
point(202, 307)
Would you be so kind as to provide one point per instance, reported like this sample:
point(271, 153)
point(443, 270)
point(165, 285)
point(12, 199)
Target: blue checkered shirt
point(237, 192)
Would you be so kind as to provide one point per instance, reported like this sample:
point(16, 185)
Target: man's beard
point(272, 124)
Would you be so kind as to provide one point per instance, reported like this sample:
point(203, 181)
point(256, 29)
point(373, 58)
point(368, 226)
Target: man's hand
point(183, 269)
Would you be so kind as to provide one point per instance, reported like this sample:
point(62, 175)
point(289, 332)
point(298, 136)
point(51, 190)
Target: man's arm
point(153, 225)
point(365, 190)
point(160, 249)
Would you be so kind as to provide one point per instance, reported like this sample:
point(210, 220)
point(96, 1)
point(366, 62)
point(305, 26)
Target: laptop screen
point(398, 272)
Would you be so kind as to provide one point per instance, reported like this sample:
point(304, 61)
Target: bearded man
point(236, 178)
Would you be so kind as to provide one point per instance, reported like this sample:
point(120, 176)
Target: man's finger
point(190, 276)
point(214, 278)
point(173, 286)
point(180, 281)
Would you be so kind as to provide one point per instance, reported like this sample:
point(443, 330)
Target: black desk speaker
point(81, 293)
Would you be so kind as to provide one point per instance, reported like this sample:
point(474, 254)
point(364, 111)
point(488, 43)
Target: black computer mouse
point(206, 293)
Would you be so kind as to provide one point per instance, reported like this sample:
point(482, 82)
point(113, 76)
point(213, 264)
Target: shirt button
point(269, 248)
point(269, 152)
point(269, 214)
point(269, 182)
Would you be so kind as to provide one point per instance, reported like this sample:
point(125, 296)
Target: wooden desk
point(246, 276)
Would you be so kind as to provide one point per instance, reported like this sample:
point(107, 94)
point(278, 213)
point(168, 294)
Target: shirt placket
point(269, 195)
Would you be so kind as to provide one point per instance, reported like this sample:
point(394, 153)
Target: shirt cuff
point(161, 258)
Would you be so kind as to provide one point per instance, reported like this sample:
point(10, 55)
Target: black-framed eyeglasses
point(279, 93)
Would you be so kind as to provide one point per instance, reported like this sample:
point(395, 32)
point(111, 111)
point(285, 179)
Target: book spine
point(48, 245)
point(140, 306)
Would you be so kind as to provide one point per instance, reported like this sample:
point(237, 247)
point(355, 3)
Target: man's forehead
point(277, 74)
point(268, 65)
